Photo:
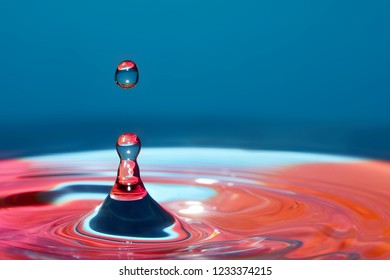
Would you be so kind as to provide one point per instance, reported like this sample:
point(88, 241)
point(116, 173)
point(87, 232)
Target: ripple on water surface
point(225, 204)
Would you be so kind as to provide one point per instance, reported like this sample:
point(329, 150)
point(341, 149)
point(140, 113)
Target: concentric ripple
point(228, 204)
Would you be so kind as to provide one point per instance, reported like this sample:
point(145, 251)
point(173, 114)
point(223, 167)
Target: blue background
point(276, 74)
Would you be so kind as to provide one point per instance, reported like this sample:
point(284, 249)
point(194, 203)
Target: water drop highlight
point(126, 75)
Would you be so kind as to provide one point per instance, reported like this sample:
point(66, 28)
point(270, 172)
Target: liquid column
point(129, 210)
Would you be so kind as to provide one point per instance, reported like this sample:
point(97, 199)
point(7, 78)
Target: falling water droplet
point(126, 75)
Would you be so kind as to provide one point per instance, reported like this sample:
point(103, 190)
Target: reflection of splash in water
point(233, 204)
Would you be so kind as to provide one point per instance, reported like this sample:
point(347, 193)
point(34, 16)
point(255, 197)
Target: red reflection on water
point(128, 139)
point(127, 64)
point(329, 210)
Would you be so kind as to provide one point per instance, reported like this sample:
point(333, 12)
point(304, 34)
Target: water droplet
point(128, 185)
point(126, 75)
